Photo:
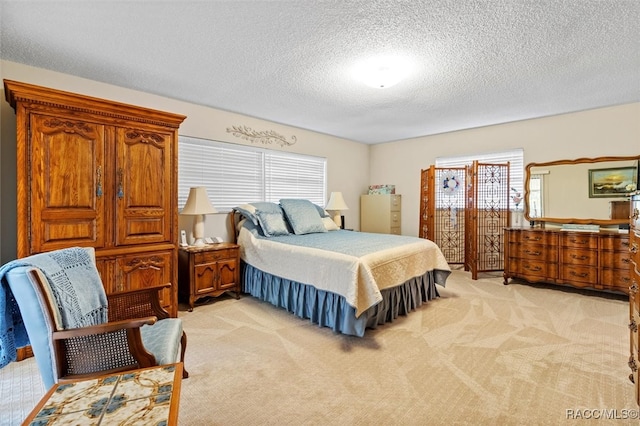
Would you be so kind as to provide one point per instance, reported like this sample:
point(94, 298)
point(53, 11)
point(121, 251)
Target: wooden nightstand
point(208, 271)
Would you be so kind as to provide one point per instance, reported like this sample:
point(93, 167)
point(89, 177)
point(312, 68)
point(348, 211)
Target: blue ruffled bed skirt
point(331, 310)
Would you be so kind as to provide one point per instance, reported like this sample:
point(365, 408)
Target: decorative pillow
point(322, 211)
point(330, 224)
point(249, 210)
point(272, 224)
point(303, 216)
point(267, 206)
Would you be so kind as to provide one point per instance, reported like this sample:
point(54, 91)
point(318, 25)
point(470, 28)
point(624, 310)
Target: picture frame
point(612, 182)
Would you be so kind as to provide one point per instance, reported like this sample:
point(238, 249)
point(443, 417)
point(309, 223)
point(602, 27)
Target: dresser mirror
point(581, 191)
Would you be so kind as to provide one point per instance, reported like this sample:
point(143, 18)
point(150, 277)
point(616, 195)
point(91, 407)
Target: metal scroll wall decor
point(262, 136)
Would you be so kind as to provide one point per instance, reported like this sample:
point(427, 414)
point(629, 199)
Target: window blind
point(294, 176)
point(236, 174)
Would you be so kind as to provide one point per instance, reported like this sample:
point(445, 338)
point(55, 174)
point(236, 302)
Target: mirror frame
point(527, 177)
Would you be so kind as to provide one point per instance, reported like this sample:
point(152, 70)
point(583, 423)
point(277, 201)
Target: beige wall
point(594, 133)
point(351, 166)
point(347, 161)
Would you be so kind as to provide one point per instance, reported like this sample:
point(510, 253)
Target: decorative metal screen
point(464, 211)
point(442, 218)
point(488, 215)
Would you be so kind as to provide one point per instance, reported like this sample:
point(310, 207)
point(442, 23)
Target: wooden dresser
point(97, 173)
point(381, 213)
point(634, 295)
point(594, 260)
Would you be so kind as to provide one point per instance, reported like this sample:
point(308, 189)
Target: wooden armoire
point(102, 174)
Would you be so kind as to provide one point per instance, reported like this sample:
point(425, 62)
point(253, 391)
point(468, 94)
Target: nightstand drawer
point(213, 256)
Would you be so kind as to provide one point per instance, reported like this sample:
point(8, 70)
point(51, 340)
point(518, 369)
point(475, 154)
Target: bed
point(295, 257)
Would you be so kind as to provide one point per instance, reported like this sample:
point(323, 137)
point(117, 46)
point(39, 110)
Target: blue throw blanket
point(76, 288)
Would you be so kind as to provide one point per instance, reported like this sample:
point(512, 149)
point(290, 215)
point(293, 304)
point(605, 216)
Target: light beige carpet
point(483, 353)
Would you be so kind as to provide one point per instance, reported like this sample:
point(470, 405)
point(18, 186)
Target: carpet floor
point(482, 353)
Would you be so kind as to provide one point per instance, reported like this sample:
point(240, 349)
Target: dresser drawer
point(616, 279)
point(395, 218)
point(213, 256)
point(633, 302)
point(615, 243)
point(395, 203)
point(579, 275)
point(615, 259)
point(545, 238)
point(634, 248)
point(579, 240)
point(537, 252)
point(539, 269)
point(634, 292)
point(580, 257)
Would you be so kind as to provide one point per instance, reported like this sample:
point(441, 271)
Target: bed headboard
point(234, 218)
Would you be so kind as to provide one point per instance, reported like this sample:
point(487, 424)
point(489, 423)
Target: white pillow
point(330, 224)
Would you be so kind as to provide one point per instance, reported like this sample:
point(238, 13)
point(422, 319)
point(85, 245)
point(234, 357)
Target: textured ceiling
point(472, 62)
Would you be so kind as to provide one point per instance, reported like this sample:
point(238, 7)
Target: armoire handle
point(120, 179)
point(99, 182)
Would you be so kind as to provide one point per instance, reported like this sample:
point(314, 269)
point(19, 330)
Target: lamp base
point(337, 218)
point(198, 231)
point(199, 242)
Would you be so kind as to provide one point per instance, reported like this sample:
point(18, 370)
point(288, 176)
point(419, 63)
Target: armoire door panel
point(144, 186)
point(59, 234)
point(67, 194)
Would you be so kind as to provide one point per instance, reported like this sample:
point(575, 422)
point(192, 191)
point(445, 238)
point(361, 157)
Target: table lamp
point(336, 204)
point(198, 205)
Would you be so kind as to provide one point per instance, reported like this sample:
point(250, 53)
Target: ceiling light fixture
point(381, 73)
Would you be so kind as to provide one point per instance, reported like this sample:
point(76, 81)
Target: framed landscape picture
point(612, 182)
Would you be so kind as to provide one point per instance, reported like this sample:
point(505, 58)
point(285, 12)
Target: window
point(514, 157)
point(238, 174)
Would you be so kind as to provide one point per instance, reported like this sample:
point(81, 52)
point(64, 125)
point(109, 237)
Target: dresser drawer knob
point(532, 253)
